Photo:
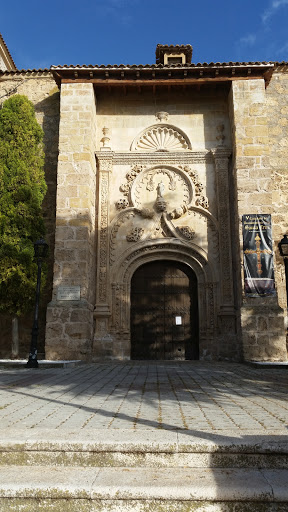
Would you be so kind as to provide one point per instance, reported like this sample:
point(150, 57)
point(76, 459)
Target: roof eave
point(147, 75)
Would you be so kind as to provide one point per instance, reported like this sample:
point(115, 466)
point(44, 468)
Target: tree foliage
point(22, 189)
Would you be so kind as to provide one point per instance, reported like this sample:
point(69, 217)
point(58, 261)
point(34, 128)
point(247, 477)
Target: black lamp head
point(283, 246)
point(40, 249)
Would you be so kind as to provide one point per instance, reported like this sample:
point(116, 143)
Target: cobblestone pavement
point(146, 395)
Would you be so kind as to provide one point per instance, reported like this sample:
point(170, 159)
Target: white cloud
point(248, 40)
point(117, 8)
point(275, 5)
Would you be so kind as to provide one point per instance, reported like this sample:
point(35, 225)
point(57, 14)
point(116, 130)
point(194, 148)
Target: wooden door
point(164, 312)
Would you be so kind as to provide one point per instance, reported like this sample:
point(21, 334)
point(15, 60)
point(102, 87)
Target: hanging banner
point(258, 255)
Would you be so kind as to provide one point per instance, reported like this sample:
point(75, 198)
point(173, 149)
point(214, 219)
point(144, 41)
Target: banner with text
point(258, 255)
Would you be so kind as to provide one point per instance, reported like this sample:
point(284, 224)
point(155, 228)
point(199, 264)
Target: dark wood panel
point(164, 312)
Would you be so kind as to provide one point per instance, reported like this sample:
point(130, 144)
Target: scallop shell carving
point(161, 138)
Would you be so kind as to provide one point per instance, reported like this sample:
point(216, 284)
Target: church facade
point(167, 197)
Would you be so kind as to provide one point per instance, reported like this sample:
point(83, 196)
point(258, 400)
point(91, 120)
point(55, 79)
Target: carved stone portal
point(162, 212)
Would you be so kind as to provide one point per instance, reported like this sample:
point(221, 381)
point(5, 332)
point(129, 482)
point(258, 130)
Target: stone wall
point(277, 112)
point(257, 130)
point(40, 88)
point(261, 318)
point(70, 323)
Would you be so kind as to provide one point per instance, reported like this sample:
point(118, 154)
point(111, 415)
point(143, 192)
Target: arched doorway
point(164, 312)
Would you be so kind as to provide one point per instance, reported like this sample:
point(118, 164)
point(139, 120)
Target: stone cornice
point(158, 158)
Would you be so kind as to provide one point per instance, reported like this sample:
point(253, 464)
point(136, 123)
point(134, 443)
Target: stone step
point(125, 448)
point(159, 460)
point(141, 489)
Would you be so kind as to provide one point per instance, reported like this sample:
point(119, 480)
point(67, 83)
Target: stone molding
point(168, 249)
point(158, 158)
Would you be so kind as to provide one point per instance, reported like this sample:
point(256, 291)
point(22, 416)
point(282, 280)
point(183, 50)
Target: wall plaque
point(68, 293)
point(258, 255)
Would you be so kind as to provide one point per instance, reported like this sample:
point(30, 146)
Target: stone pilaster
point(226, 314)
point(69, 330)
point(262, 323)
point(103, 341)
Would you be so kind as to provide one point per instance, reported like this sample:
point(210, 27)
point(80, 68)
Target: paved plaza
point(146, 396)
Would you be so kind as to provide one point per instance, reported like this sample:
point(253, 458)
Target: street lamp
point(283, 248)
point(40, 252)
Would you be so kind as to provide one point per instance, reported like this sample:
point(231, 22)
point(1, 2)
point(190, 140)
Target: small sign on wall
point(68, 293)
point(178, 320)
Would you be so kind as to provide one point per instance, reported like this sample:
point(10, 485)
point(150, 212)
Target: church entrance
point(164, 312)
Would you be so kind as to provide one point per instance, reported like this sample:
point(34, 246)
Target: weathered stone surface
point(226, 156)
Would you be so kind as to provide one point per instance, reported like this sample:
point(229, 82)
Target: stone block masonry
point(262, 319)
point(70, 323)
point(277, 111)
point(226, 155)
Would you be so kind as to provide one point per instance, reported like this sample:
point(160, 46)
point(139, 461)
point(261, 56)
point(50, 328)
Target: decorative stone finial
point(105, 140)
point(162, 116)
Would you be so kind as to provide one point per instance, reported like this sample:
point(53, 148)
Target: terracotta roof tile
point(155, 66)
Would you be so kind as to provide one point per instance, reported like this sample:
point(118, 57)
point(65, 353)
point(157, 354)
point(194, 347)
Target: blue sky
point(40, 33)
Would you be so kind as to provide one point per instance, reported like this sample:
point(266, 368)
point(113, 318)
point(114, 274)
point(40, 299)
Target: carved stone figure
point(160, 189)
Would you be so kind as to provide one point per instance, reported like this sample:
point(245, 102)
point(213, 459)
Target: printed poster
point(258, 255)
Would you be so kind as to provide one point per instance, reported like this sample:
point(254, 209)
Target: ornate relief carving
point(162, 247)
point(162, 137)
point(124, 216)
point(118, 290)
point(145, 213)
point(130, 177)
point(221, 166)
point(135, 234)
point(178, 212)
point(122, 203)
point(125, 188)
point(160, 187)
point(160, 158)
point(187, 232)
point(162, 116)
point(194, 178)
point(209, 287)
point(150, 181)
point(102, 281)
point(170, 179)
point(203, 202)
point(161, 204)
point(105, 161)
point(150, 193)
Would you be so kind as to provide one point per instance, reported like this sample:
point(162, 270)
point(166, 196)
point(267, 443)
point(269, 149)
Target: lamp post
point(40, 252)
point(283, 248)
